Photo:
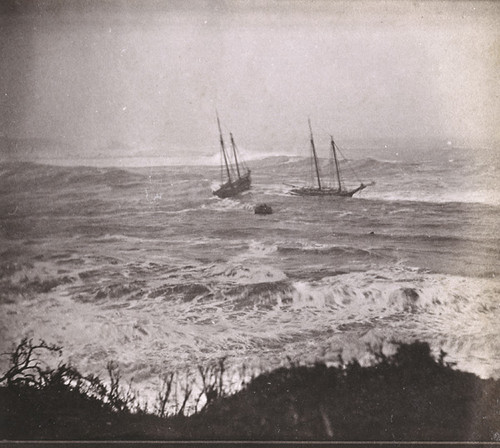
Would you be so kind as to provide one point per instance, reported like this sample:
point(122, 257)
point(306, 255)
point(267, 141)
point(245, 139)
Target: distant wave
point(487, 197)
point(32, 175)
point(325, 249)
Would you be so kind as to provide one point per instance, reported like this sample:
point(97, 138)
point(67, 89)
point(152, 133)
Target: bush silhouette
point(405, 396)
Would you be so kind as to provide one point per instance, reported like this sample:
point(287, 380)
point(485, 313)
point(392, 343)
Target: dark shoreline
point(409, 396)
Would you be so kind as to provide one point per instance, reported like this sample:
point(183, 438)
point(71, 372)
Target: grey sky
point(149, 74)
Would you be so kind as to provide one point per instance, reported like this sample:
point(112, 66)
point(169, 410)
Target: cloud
point(151, 74)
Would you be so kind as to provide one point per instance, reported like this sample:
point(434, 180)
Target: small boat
point(263, 209)
point(235, 182)
point(322, 190)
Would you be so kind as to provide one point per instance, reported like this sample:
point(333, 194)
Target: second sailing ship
point(322, 190)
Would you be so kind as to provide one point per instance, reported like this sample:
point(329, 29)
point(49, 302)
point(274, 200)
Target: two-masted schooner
point(236, 181)
point(321, 189)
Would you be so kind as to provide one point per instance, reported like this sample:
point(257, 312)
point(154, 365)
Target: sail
point(337, 169)
point(318, 177)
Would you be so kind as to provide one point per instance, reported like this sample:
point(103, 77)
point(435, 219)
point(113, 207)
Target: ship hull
point(231, 189)
point(325, 192)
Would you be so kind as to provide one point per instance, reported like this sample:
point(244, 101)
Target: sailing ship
point(321, 189)
point(236, 181)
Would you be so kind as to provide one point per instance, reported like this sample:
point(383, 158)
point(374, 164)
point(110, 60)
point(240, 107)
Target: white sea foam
point(226, 204)
point(305, 320)
point(441, 196)
point(246, 274)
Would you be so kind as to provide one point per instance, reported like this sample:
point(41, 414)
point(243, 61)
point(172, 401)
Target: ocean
point(145, 267)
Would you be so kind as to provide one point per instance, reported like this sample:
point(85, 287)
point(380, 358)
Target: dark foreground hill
point(407, 396)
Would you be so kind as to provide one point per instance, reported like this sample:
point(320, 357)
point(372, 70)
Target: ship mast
point(314, 155)
point(223, 149)
point(336, 162)
point(235, 156)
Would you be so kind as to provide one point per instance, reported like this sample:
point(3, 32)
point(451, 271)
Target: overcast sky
point(149, 75)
